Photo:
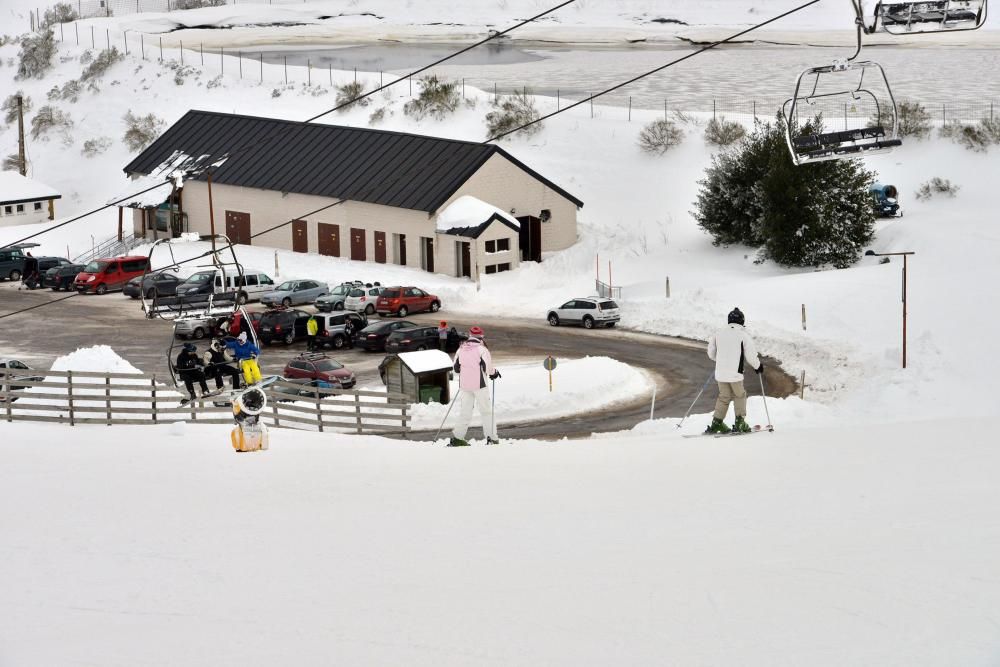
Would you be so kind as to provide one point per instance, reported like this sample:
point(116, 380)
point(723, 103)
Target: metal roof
point(360, 164)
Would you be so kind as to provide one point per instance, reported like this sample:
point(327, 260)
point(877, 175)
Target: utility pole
point(22, 164)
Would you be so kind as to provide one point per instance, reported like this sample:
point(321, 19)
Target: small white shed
point(24, 201)
point(475, 238)
point(422, 376)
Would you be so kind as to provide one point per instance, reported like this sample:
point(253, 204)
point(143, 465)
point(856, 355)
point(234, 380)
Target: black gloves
point(760, 369)
point(496, 375)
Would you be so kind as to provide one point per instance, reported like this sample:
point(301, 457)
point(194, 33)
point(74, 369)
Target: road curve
point(679, 366)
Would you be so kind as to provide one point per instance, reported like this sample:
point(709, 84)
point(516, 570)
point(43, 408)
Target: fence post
point(107, 36)
point(142, 45)
point(262, 68)
point(802, 386)
point(107, 396)
point(630, 108)
point(93, 44)
point(591, 104)
point(69, 392)
point(319, 412)
point(239, 54)
point(182, 51)
point(161, 49)
point(286, 69)
point(202, 54)
point(152, 381)
point(222, 60)
point(274, 412)
point(309, 72)
point(668, 286)
point(60, 32)
point(355, 75)
point(803, 317)
point(755, 110)
point(7, 399)
point(357, 410)
point(944, 115)
point(713, 108)
point(76, 28)
point(329, 71)
point(557, 100)
point(406, 432)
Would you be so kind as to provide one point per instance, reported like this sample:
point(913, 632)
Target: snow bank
point(96, 359)
point(467, 211)
point(823, 547)
point(579, 385)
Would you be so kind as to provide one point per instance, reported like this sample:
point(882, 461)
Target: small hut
point(422, 376)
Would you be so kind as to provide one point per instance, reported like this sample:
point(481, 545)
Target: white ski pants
point(467, 399)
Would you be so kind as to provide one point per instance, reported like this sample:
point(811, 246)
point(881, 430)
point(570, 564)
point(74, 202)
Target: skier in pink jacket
point(474, 364)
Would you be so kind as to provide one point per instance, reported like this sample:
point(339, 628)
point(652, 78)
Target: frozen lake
point(731, 75)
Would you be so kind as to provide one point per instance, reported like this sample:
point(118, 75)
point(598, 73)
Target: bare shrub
point(93, 147)
point(937, 187)
point(348, 94)
point(101, 64)
point(197, 4)
point(513, 111)
point(973, 137)
point(722, 132)
point(213, 83)
point(36, 55)
point(686, 118)
point(9, 107)
point(11, 162)
point(61, 12)
point(660, 136)
point(140, 131)
point(377, 116)
point(50, 118)
point(437, 99)
point(86, 57)
point(71, 91)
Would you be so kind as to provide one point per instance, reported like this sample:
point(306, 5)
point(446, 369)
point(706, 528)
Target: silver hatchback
point(591, 311)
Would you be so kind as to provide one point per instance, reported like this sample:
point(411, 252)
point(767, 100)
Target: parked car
point(404, 300)
point(33, 273)
point(589, 311)
point(295, 292)
point(62, 277)
point(249, 287)
point(337, 330)
point(409, 339)
point(161, 283)
point(318, 366)
point(362, 299)
point(303, 389)
point(335, 299)
point(372, 338)
point(195, 327)
point(12, 260)
point(285, 324)
point(20, 371)
point(110, 273)
point(236, 324)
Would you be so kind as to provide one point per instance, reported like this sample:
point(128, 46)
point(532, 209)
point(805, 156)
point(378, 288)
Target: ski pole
point(493, 406)
point(700, 392)
point(450, 404)
point(763, 395)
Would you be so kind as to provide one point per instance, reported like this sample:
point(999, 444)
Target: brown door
point(402, 249)
point(530, 238)
point(300, 236)
point(466, 259)
point(358, 244)
point(238, 227)
point(428, 248)
point(380, 247)
point(329, 239)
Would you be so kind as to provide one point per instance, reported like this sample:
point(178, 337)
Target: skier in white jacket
point(732, 349)
point(474, 364)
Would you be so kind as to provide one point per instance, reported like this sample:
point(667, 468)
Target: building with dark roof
point(375, 194)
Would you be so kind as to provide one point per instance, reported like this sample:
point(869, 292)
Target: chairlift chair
point(926, 16)
point(880, 137)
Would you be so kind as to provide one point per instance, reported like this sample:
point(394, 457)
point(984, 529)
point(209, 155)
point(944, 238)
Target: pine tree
point(810, 215)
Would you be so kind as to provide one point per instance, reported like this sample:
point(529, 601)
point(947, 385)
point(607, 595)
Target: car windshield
point(357, 292)
point(201, 278)
point(95, 267)
point(608, 304)
point(328, 365)
point(390, 293)
point(286, 286)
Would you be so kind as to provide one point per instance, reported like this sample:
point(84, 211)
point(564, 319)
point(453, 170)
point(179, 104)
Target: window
point(20, 209)
point(38, 206)
point(491, 268)
point(251, 280)
point(264, 280)
point(588, 305)
point(8, 210)
point(6, 256)
point(297, 365)
point(609, 305)
point(491, 246)
point(503, 245)
point(503, 267)
point(545, 215)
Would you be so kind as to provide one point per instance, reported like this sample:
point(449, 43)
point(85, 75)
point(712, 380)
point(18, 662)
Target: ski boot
point(741, 426)
point(458, 442)
point(717, 426)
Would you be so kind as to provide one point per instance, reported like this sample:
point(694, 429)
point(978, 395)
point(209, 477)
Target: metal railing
point(606, 291)
point(111, 247)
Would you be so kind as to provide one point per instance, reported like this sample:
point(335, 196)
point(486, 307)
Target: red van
point(112, 273)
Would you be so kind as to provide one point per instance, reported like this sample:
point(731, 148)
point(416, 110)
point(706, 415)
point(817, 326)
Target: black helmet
point(736, 317)
point(190, 347)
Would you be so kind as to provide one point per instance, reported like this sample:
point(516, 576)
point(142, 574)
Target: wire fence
point(88, 9)
point(275, 69)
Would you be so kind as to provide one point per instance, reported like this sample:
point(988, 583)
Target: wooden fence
point(77, 397)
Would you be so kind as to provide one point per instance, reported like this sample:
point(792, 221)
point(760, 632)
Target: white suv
point(590, 311)
point(362, 299)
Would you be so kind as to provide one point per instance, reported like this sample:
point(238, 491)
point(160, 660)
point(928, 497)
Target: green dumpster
point(430, 394)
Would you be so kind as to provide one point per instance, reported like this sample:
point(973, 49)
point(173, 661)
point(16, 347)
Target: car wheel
point(611, 325)
point(286, 302)
point(289, 338)
point(199, 333)
point(242, 299)
point(403, 311)
point(370, 310)
point(435, 306)
point(339, 305)
point(553, 320)
point(15, 275)
point(588, 322)
point(338, 342)
point(101, 289)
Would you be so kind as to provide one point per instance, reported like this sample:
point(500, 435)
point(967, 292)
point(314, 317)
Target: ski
point(757, 428)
